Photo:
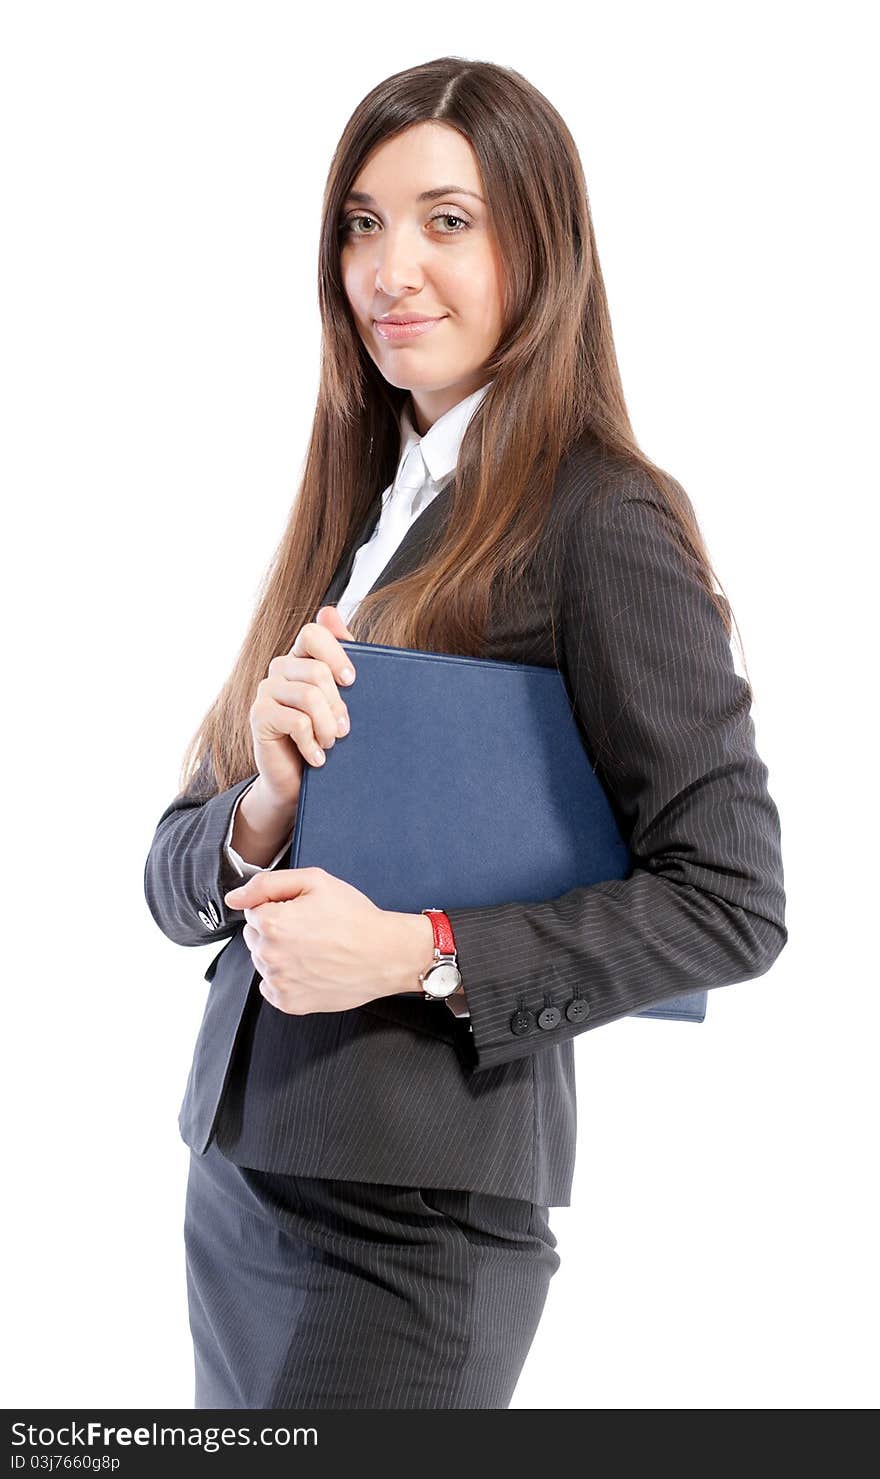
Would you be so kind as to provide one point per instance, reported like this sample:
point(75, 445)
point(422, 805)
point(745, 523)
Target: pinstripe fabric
point(400, 1092)
point(311, 1293)
point(666, 718)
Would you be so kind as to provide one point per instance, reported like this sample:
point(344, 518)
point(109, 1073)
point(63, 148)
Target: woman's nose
point(397, 265)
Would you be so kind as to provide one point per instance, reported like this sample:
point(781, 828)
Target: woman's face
point(436, 257)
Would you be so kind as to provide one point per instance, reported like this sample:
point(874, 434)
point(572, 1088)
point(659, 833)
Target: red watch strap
point(444, 939)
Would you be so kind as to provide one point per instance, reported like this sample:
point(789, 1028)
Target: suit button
point(212, 910)
point(549, 1017)
point(207, 921)
point(521, 1023)
point(578, 1009)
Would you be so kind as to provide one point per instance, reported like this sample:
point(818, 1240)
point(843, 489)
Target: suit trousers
point(306, 1292)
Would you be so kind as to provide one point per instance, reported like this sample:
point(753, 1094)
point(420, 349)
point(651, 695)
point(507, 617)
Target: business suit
point(666, 718)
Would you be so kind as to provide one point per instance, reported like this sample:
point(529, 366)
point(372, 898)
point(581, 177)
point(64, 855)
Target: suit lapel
point(343, 569)
point(408, 554)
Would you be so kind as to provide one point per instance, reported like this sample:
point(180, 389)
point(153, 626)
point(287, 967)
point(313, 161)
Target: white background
point(162, 174)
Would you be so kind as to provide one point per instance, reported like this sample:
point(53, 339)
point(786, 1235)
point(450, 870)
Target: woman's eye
point(348, 225)
point(451, 216)
point(462, 225)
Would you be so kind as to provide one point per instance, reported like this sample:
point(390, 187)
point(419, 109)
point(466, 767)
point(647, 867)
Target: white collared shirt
point(425, 465)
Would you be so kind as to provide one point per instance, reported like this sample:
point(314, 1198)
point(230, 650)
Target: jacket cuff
point(187, 871)
point(536, 974)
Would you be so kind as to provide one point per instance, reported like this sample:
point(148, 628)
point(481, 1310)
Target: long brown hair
point(556, 380)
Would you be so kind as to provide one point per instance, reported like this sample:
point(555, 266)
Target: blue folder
point(462, 782)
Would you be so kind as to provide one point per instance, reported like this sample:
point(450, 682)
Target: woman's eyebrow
point(363, 199)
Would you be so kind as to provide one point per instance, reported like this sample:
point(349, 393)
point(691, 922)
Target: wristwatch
point(442, 977)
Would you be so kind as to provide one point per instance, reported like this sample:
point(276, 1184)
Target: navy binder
point(462, 782)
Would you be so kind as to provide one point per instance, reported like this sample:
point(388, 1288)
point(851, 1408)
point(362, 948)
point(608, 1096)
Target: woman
point(371, 1173)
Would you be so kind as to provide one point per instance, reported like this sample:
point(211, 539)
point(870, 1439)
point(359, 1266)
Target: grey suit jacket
point(399, 1090)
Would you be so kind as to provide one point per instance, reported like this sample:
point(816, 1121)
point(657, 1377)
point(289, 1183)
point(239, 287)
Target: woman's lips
point(397, 332)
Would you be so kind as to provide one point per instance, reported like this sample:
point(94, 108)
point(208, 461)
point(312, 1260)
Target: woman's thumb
point(329, 617)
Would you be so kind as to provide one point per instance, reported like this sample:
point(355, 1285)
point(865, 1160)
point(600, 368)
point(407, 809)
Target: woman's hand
point(320, 945)
point(297, 710)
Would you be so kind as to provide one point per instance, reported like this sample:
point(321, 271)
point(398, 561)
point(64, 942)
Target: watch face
point(442, 980)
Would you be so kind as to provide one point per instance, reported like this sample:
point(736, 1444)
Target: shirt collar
point(441, 443)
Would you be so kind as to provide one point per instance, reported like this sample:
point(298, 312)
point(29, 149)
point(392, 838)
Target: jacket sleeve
point(666, 720)
point(187, 870)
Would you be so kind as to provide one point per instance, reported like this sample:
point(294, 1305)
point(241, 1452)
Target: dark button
point(549, 1017)
point(521, 1023)
point(577, 1009)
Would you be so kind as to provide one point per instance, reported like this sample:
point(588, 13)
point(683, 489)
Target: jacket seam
point(534, 1190)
